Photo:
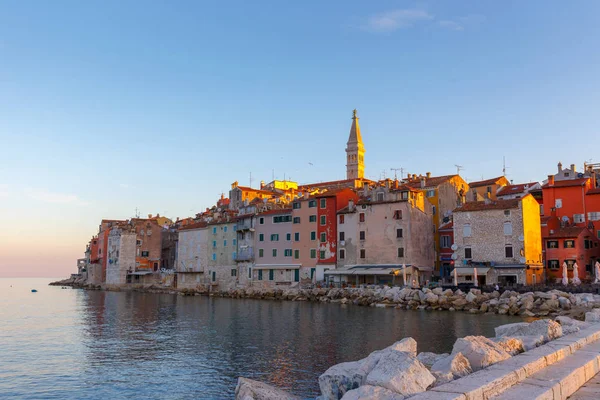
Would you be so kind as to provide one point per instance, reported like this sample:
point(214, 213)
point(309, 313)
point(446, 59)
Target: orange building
point(487, 189)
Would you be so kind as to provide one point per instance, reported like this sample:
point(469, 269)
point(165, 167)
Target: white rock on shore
point(368, 392)
point(546, 328)
point(428, 359)
point(480, 351)
point(449, 368)
point(401, 373)
point(249, 389)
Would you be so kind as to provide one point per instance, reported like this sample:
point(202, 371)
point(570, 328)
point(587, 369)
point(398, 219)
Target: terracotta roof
point(514, 189)
point(197, 225)
point(567, 232)
point(332, 193)
point(334, 183)
point(278, 211)
point(485, 182)
point(566, 183)
point(249, 189)
point(430, 182)
point(491, 205)
point(447, 226)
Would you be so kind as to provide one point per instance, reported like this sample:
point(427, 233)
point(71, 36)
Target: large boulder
point(480, 351)
point(401, 373)
point(340, 378)
point(470, 297)
point(570, 325)
point(428, 359)
point(511, 345)
point(431, 298)
point(449, 368)
point(547, 328)
point(248, 389)
point(593, 316)
point(368, 392)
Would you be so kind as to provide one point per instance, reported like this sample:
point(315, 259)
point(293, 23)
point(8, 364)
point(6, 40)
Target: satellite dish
point(521, 238)
point(522, 260)
point(454, 247)
point(454, 256)
point(565, 218)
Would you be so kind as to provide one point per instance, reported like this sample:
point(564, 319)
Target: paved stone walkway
point(589, 391)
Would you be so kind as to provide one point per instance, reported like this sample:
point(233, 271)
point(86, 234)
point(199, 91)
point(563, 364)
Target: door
point(271, 274)
point(297, 275)
point(312, 273)
point(214, 276)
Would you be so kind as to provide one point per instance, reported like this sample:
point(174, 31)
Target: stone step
point(560, 380)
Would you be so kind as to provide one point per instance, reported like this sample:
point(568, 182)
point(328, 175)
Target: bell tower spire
point(355, 151)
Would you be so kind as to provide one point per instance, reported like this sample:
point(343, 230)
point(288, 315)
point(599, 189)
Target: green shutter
point(260, 274)
point(297, 275)
point(270, 274)
point(312, 273)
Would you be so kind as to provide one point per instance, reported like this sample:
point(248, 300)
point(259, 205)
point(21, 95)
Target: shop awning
point(277, 266)
point(462, 271)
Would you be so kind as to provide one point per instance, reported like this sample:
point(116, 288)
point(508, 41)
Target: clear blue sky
point(108, 106)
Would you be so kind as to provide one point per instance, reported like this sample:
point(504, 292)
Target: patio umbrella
point(565, 279)
point(455, 277)
point(475, 277)
point(404, 273)
point(576, 280)
point(597, 272)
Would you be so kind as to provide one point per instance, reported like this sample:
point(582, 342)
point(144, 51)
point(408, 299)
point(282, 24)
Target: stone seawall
point(529, 304)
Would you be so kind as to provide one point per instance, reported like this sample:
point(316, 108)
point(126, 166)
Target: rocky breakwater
point(398, 372)
point(530, 304)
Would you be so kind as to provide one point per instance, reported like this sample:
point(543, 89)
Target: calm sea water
point(76, 344)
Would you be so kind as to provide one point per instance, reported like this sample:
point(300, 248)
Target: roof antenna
point(458, 168)
point(251, 179)
point(396, 172)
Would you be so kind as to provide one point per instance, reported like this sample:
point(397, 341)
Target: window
point(587, 244)
point(569, 244)
point(323, 203)
point(235, 227)
point(507, 213)
point(249, 273)
point(234, 272)
point(570, 264)
point(558, 203)
point(404, 195)
point(145, 253)
point(430, 193)
point(214, 230)
point(275, 237)
point(445, 241)
point(313, 235)
point(400, 252)
point(594, 216)
point(214, 276)
point(566, 174)
point(342, 236)
point(468, 277)
point(399, 233)
point(224, 229)
point(321, 254)
point(282, 218)
point(261, 237)
point(361, 217)
point(224, 243)
point(287, 253)
point(323, 220)
point(342, 254)
point(296, 236)
point(261, 220)
point(398, 214)
point(296, 205)
point(508, 251)
point(313, 253)
point(323, 237)
point(214, 256)
point(363, 253)
point(274, 252)
point(296, 254)
point(260, 274)
point(138, 242)
point(288, 236)
point(489, 189)
point(598, 234)
point(235, 242)
point(214, 243)
point(433, 210)
point(234, 255)
point(578, 218)
point(296, 220)
point(467, 230)
point(312, 218)
point(261, 253)
point(508, 228)
point(468, 254)
point(362, 235)
point(553, 264)
point(552, 244)
point(312, 203)
point(341, 218)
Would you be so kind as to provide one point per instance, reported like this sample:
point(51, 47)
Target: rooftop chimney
point(422, 182)
point(234, 185)
point(559, 167)
point(428, 175)
point(149, 216)
point(350, 205)
point(573, 167)
point(262, 184)
point(550, 179)
point(414, 176)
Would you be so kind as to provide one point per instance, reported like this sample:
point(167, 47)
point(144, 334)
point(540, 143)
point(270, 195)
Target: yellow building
point(444, 193)
point(487, 189)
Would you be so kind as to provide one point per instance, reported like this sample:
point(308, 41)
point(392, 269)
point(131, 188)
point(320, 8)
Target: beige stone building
point(222, 251)
point(501, 238)
point(192, 256)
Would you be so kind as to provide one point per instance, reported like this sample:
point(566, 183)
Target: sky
point(108, 106)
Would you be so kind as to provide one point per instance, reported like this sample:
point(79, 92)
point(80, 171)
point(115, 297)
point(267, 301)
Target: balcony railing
point(245, 255)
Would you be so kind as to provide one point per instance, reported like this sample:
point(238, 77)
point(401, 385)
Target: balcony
point(245, 254)
point(244, 226)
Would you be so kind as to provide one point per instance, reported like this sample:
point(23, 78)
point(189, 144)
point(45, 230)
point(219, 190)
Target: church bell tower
point(355, 151)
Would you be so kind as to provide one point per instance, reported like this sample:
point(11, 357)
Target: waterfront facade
point(192, 256)
point(222, 249)
point(304, 236)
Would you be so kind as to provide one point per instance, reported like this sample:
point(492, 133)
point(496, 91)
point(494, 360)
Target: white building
point(121, 256)
point(192, 256)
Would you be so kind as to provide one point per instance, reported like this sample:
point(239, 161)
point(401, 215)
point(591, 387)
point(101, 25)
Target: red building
point(328, 204)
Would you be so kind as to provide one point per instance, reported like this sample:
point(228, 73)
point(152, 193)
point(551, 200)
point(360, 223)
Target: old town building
point(121, 260)
point(222, 249)
point(486, 189)
point(501, 239)
point(304, 236)
point(192, 255)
